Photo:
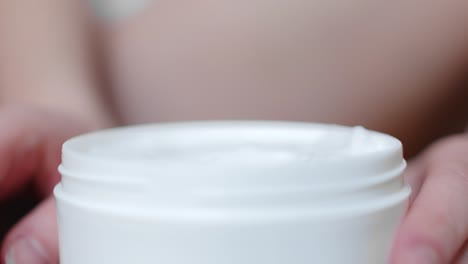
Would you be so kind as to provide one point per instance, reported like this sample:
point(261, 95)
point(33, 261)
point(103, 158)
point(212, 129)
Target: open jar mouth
point(243, 165)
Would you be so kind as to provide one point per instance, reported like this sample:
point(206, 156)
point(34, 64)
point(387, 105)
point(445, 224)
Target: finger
point(436, 225)
point(34, 240)
point(462, 257)
point(30, 144)
point(415, 176)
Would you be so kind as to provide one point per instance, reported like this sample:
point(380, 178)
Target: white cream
point(232, 138)
point(215, 192)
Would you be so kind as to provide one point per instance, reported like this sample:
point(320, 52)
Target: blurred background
point(395, 67)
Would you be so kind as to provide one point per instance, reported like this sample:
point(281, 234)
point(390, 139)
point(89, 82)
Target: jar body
point(230, 193)
point(92, 236)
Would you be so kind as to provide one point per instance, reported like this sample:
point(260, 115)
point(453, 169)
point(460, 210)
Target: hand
point(30, 150)
point(435, 228)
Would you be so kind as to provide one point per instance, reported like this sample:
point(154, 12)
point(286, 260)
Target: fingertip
point(413, 249)
point(26, 251)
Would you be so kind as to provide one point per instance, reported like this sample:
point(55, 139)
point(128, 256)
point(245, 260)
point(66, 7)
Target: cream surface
point(233, 142)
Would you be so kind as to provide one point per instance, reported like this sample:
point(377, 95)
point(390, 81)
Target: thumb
point(33, 240)
point(436, 226)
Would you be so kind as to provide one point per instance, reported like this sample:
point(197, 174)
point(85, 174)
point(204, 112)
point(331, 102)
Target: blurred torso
point(353, 62)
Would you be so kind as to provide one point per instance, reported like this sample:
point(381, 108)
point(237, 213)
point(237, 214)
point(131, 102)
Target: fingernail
point(421, 255)
point(27, 251)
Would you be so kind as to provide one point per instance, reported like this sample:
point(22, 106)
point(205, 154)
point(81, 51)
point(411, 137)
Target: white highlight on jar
point(113, 10)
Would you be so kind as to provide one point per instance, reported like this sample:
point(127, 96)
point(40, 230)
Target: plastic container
point(230, 193)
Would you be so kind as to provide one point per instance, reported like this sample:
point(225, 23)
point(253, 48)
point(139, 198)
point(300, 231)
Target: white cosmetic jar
point(230, 193)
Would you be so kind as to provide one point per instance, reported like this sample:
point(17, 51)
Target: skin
point(309, 61)
point(49, 92)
